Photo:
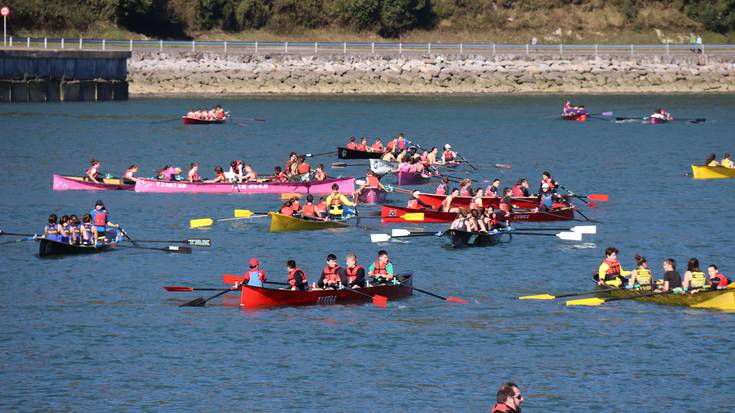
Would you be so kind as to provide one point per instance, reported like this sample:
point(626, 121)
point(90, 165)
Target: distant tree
point(252, 14)
point(715, 15)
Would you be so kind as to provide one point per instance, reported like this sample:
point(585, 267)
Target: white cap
point(447, 146)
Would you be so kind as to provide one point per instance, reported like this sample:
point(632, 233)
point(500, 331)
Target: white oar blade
point(400, 233)
point(570, 236)
point(379, 237)
point(585, 229)
point(359, 182)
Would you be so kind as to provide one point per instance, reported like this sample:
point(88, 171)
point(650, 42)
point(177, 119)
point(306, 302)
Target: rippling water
point(99, 333)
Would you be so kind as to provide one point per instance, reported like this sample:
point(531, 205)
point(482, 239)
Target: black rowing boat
point(344, 153)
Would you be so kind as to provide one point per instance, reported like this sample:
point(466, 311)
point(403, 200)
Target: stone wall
point(210, 73)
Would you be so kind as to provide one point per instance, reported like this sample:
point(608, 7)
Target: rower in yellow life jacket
point(336, 201)
point(694, 277)
point(610, 272)
point(641, 278)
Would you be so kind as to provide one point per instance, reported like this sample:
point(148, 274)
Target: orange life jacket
point(373, 181)
point(322, 207)
point(377, 147)
point(288, 211)
point(517, 191)
point(320, 176)
point(100, 218)
point(441, 189)
point(380, 269)
point(392, 145)
point(303, 168)
point(352, 273)
point(614, 267)
point(352, 145)
point(448, 156)
point(292, 277)
point(330, 274)
point(362, 147)
point(549, 182)
point(308, 211)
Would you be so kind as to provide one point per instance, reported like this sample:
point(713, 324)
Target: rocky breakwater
point(210, 73)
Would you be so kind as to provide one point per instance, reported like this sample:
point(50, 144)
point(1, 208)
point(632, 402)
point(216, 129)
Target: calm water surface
point(99, 333)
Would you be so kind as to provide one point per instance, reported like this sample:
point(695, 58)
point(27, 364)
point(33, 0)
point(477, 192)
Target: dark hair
point(672, 262)
point(193, 164)
point(496, 180)
point(726, 155)
point(278, 169)
point(331, 257)
point(320, 165)
point(132, 166)
point(86, 217)
point(94, 161)
point(352, 138)
point(52, 219)
point(291, 264)
point(693, 265)
point(218, 169)
point(610, 250)
point(711, 157)
point(713, 266)
point(640, 260)
point(335, 187)
point(506, 391)
point(547, 173)
point(310, 198)
point(73, 217)
point(382, 252)
point(64, 218)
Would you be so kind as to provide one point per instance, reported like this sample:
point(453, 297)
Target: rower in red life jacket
point(286, 209)
point(548, 180)
point(303, 169)
point(465, 187)
point(521, 189)
point(295, 203)
point(309, 210)
point(250, 174)
point(219, 176)
point(322, 206)
point(506, 202)
point(717, 281)
point(352, 144)
point(448, 156)
point(443, 186)
point(493, 190)
point(508, 399)
point(51, 230)
point(381, 271)
point(193, 174)
point(610, 272)
point(320, 174)
point(296, 277)
point(353, 275)
point(330, 277)
point(372, 181)
point(392, 145)
point(279, 175)
point(402, 142)
point(101, 219)
point(129, 174)
point(255, 276)
point(93, 173)
point(377, 146)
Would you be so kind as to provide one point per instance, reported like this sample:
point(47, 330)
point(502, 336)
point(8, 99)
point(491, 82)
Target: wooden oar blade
point(379, 238)
point(585, 229)
point(537, 297)
point(199, 302)
point(201, 222)
point(413, 216)
point(177, 288)
point(380, 301)
point(598, 197)
point(590, 302)
point(243, 213)
point(570, 236)
point(457, 300)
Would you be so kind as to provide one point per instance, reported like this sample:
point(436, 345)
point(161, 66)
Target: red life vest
point(501, 408)
point(614, 267)
point(352, 273)
point(362, 147)
point(308, 211)
point(303, 168)
point(322, 207)
point(464, 191)
point(505, 205)
point(413, 203)
point(448, 156)
point(441, 189)
point(320, 176)
point(517, 191)
point(195, 177)
point(722, 281)
point(292, 277)
point(352, 145)
point(286, 211)
point(401, 143)
point(377, 147)
point(100, 218)
point(95, 174)
point(330, 274)
point(549, 182)
point(380, 270)
point(373, 181)
point(281, 177)
point(392, 145)
point(238, 166)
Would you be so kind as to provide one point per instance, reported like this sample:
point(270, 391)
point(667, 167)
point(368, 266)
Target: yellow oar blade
point(413, 216)
point(201, 222)
point(586, 301)
point(537, 297)
point(243, 213)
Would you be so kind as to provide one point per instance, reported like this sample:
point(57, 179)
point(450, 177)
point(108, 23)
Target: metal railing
point(315, 48)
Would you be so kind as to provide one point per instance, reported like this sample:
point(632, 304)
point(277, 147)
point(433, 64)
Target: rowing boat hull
point(411, 178)
point(258, 297)
point(712, 172)
point(80, 183)
point(394, 214)
point(723, 300)
point(346, 185)
point(435, 201)
point(194, 121)
point(50, 248)
point(372, 196)
point(344, 153)
point(579, 117)
point(283, 223)
point(557, 214)
point(462, 239)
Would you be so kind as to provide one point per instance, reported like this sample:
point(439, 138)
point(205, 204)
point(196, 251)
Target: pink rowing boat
point(82, 183)
point(346, 185)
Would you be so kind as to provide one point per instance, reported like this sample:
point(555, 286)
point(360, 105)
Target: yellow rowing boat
point(712, 172)
point(281, 223)
point(723, 300)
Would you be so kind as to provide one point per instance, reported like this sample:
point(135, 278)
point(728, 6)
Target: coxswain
point(219, 175)
point(363, 146)
point(493, 190)
point(74, 230)
point(352, 144)
point(296, 277)
point(548, 180)
point(372, 181)
point(694, 278)
point(51, 230)
point(711, 160)
point(448, 156)
point(446, 205)
point(309, 210)
point(250, 174)
point(330, 277)
point(128, 176)
point(101, 219)
point(93, 173)
point(254, 276)
point(286, 209)
point(279, 175)
point(521, 189)
point(64, 229)
point(610, 272)
point(508, 399)
point(236, 169)
point(672, 278)
point(353, 275)
point(641, 278)
point(377, 146)
point(89, 232)
point(320, 174)
point(726, 161)
point(506, 201)
point(717, 281)
point(381, 271)
point(335, 203)
point(545, 199)
point(193, 174)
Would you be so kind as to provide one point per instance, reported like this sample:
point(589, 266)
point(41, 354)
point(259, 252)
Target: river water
point(99, 333)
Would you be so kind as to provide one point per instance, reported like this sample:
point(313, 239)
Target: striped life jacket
point(644, 278)
point(699, 280)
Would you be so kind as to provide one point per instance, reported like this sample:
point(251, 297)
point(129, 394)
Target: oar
point(582, 229)
point(398, 233)
point(239, 214)
point(179, 288)
point(553, 297)
point(128, 236)
point(171, 248)
point(627, 118)
point(599, 301)
point(466, 161)
point(697, 120)
point(201, 301)
point(591, 204)
point(20, 240)
point(337, 165)
point(452, 299)
point(605, 114)
point(196, 242)
point(313, 155)
point(246, 213)
point(378, 300)
point(567, 236)
point(16, 234)
point(165, 120)
point(585, 216)
point(391, 188)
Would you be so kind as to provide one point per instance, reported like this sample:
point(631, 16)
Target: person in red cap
point(255, 276)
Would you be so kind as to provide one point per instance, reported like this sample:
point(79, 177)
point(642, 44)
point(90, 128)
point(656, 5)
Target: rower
point(353, 275)
point(392, 145)
point(726, 161)
point(446, 205)
point(296, 277)
point(567, 109)
point(330, 277)
point(443, 186)
point(169, 173)
point(335, 202)
point(493, 189)
point(352, 144)
point(219, 175)
point(372, 181)
point(717, 281)
point(460, 221)
point(101, 220)
point(476, 202)
point(545, 199)
point(711, 160)
point(448, 156)
point(474, 221)
point(672, 279)
point(388, 157)
point(402, 141)
point(293, 160)
point(309, 210)
point(93, 173)
point(548, 180)
point(236, 169)
point(279, 175)
point(255, 276)
point(465, 187)
point(363, 146)
point(381, 271)
point(641, 278)
point(402, 156)
point(303, 168)
point(521, 189)
point(250, 174)
point(610, 272)
point(286, 209)
point(64, 229)
point(694, 277)
point(377, 146)
point(320, 174)
point(295, 204)
point(51, 230)
point(415, 203)
point(506, 201)
point(193, 174)
point(662, 114)
point(431, 156)
point(322, 206)
point(128, 176)
point(75, 230)
point(89, 232)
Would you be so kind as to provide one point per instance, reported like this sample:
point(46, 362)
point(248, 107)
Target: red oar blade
point(592, 205)
point(380, 301)
point(457, 300)
point(598, 197)
point(177, 288)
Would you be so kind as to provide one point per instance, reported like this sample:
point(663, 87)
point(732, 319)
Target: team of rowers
point(662, 115)
point(726, 161)
point(216, 113)
point(401, 150)
point(578, 110)
point(91, 230)
point(611, 274)
point(333, 276)
point(335, 206)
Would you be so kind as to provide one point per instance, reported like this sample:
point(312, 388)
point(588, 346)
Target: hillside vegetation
point(411, 20)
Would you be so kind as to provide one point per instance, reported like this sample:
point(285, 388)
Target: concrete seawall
point(210, 73)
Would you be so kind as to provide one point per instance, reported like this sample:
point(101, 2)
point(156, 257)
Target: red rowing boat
point(195, 121)
point(396, 214)
point(259, 297)
point(435, 201)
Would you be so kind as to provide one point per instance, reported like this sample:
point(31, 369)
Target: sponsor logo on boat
point(392, 213)
point(199, 242)
point(251, 186)
point(176, 185)
point(331, 299)
point(521, 216)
